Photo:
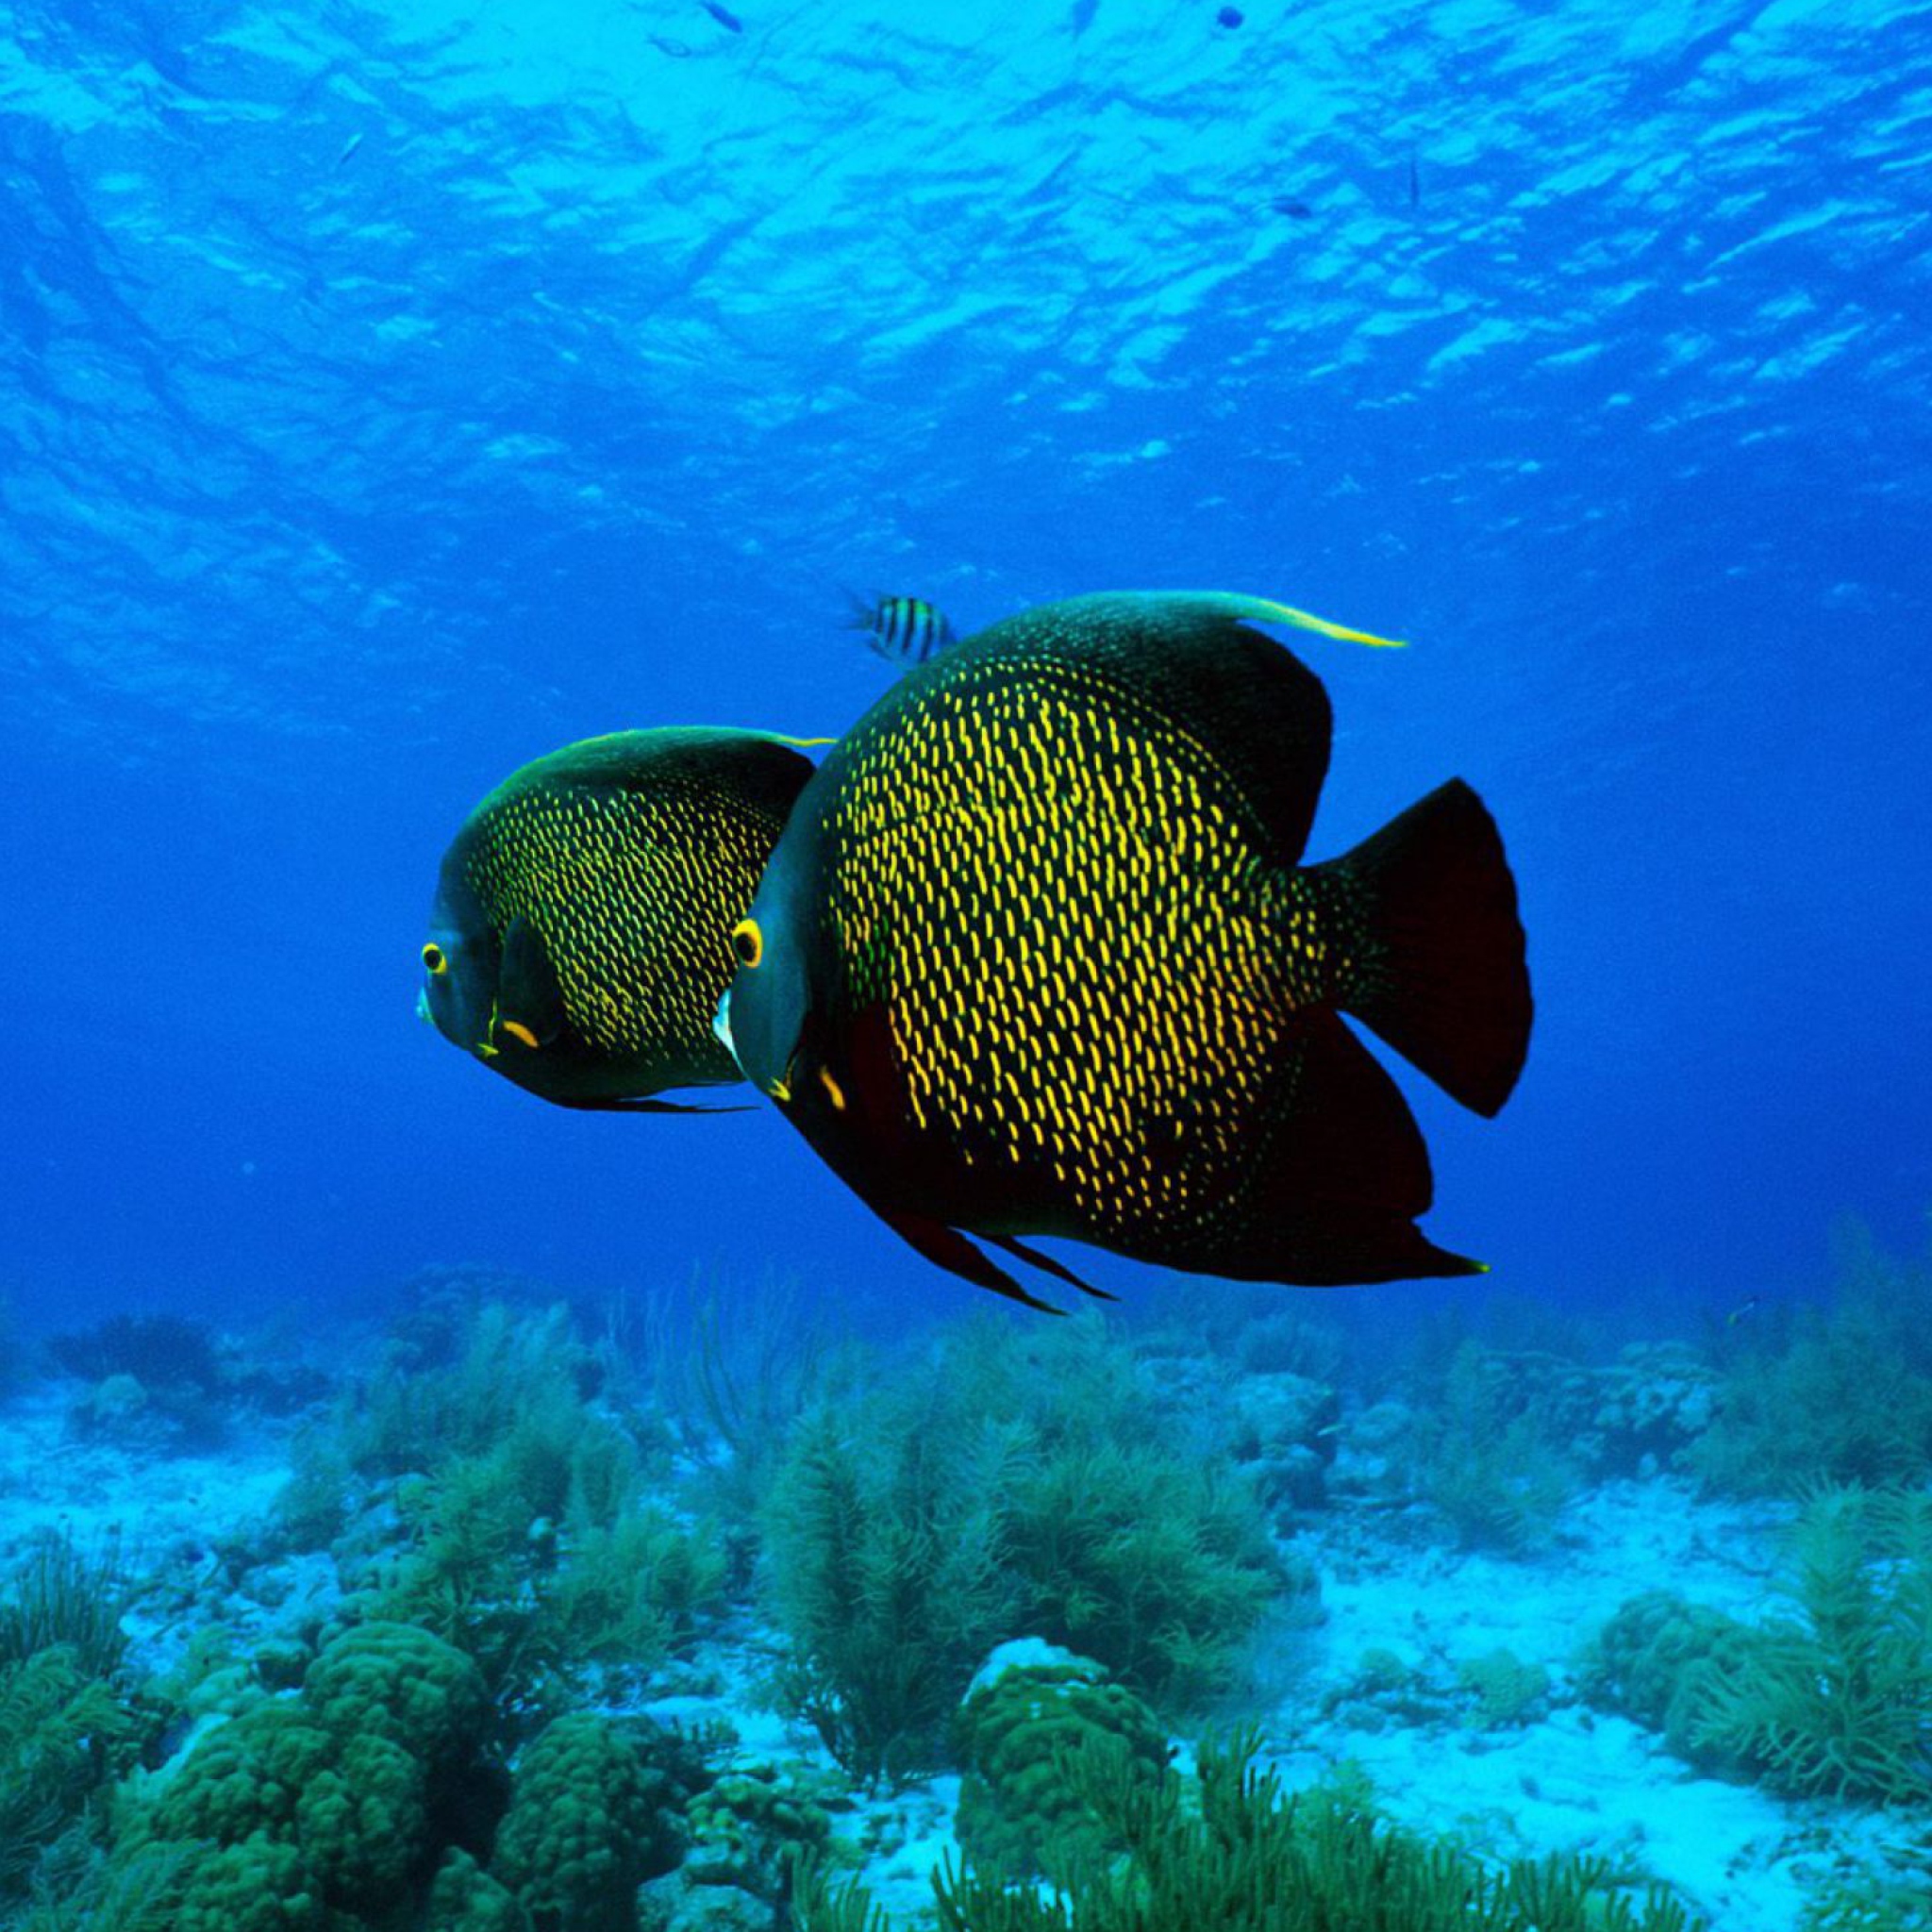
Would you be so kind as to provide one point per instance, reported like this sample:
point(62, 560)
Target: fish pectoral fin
point(1046, 1264)
point(530, 996)
point(947, 1247)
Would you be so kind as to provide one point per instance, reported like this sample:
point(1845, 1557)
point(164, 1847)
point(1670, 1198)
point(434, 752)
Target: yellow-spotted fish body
point(1036, 955)
point(580, 937)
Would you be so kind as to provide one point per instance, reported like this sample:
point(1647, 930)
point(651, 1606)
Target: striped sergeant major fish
point(903, 630)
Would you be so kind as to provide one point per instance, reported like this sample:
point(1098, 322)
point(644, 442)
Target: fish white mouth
point(720, 1025)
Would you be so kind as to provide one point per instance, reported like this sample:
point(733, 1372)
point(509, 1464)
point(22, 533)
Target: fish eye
point(747, 942)
point(435, 958)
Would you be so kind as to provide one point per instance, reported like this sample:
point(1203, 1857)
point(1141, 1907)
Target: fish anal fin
point(947, 1247)
point(1343, 1178)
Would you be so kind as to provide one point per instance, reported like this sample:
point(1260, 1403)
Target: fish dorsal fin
point(530, 996)
point(764, 768)
point(1191, 655)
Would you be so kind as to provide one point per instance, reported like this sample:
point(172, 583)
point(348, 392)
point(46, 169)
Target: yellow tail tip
point(1306, 620)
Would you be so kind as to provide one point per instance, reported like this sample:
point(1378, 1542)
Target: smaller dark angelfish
point(904, 630)
point(580, 937)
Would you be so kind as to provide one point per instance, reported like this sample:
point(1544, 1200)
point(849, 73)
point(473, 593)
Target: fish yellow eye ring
point(748, 942)
point(435, 958)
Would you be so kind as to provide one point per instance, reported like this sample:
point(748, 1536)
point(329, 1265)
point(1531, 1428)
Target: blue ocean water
point(389, 394)
point(393, 393)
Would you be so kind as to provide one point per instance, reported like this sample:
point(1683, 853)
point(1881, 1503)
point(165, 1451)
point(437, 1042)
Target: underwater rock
point(113, 1402)
point(1286, 1430)
point(753, 1821)
point(1653, 1403)
point(680, 1903)
point(1368, 1449)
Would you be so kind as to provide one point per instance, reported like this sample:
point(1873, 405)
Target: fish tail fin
point(1444, 980)
point(862, 614)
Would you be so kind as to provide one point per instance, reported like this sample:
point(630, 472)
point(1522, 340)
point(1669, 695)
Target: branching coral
point(886, 1568)
point(1491, 1454)
point(1844, 1394)
point(1003, 1484)
point(530, 1539)
point(68, 1726)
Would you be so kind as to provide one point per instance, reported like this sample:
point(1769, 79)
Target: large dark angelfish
point(580, 936)
point(1037, 955)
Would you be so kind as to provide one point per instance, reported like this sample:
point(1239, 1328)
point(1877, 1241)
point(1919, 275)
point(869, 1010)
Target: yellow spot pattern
point(1088, 954)
point(635, 896)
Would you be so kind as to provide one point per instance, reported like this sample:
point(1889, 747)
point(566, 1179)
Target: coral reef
point(587, 1823)
point(1508, 1692)
point(328, 1807)
point(1839, 1394)
point(1492, 1453)
point(755, 1823)
point(1031, 1710)
point(1232, 1849)
point(166, 1381)
point(1657, 1660)
point(503, 1500)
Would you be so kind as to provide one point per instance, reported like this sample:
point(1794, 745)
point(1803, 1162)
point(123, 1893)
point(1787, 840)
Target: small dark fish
point(349, 147)
point(1415, 184)
point(1288, 205)
point(724, 16)
point(1229, 17)
point(1742, 1312)
point(904, 630)
point(1037, 953)
point(673, 50)
point(580, 936)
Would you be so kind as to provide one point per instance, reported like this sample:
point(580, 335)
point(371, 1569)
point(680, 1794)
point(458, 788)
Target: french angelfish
point(580, 935)
point(1037, 956)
